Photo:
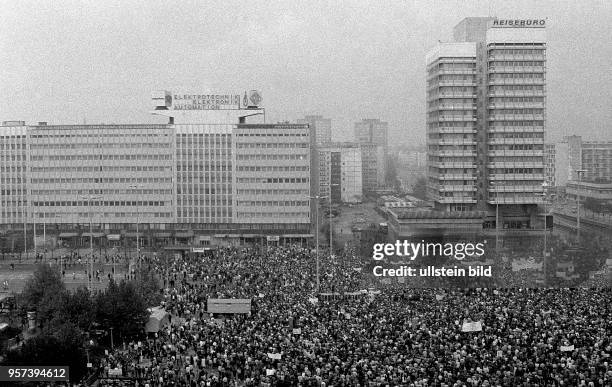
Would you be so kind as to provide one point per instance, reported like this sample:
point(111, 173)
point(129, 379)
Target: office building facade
point(486, 119)
point(215, 174)
point(340, 172)
point(373, 135)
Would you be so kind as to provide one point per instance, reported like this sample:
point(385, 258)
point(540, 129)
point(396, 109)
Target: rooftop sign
point(166, 100)
point(519, 23)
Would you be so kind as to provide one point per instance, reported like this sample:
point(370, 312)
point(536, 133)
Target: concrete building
point(486, 119)
point(549, 164)
point(373, 134)
point(572, 154)
point(215, 174)
point(320, 128)
point(584, 190)
point(341, 164)
point(373, 166)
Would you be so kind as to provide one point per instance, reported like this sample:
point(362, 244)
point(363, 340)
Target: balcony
point(457, 188)
point(515, 176)
point(516, 129)
point(517, 81)
point(517, 69)
point(450, 176)
point(516, 93)
point(456, 153)
point(456, 118)
point(517, 105)
point(533, 199)
point(465, 129)
point(517, 117)
point(537, 188)
point(517, 153)
point(516, 164)
point(456, 142)
point(502, 141)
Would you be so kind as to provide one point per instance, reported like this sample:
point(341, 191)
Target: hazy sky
point(66, 62)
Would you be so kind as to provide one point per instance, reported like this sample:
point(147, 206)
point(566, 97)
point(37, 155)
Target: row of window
point(103, 169)
point(518, 111)
point(272, 203)
point(51, 192)
point(130, 135)
point(507, 124)
point(504, 88)
point(119, 145)
point(496, 77)
point(290, 134)
point(513, 147)
point(516, 159)
point(521, 171)
point(256, 214)
point(147, 156)
point(271, 145)
point(101, 180)
point(293, 180)
point(273, 157)
point(203, 190)
point(520, 63)
point(95, 203)
point(515, 99)
point(258, 191)
point(12, 146)
point(275, 168)
point(519, 51)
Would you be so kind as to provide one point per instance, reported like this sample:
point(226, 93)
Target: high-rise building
point(215, 174)
point(372, 131)
point(320, 128)
point(340, 172)
point(373, 166)
point(549, 164)
point(372, 135)
point(486, 118)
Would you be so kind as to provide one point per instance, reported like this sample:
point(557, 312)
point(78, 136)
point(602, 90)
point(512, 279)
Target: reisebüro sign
point(519, 23)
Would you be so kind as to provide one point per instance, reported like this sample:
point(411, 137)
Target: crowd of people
point(398, 336)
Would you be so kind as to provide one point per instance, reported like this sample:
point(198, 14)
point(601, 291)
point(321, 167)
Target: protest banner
point(475, 326)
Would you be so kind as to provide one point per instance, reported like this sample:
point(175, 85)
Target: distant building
point(320, 128)
point(341, 164)
point(372, 135)
point(549, 164)
point(373, 166)
point(572, 154)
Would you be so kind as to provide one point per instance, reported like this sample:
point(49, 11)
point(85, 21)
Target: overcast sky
point(66, 62)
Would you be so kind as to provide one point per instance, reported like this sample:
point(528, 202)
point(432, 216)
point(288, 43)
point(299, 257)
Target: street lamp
point(89, 198)
point(317, 197)
point(495, 185)
point(136, 186)
point(580, 172)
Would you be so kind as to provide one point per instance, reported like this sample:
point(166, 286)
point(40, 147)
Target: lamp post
point(580, 172)
point(331, 244)
point(495, 185)
point(89, 198)
point(136, 186)
point(317, 197)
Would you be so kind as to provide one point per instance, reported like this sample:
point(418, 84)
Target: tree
point(419, 189)
point(64, 348)
point(44, 293)
point(122, 308)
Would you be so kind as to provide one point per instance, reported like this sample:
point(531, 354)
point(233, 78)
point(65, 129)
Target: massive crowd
point(398, 336)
